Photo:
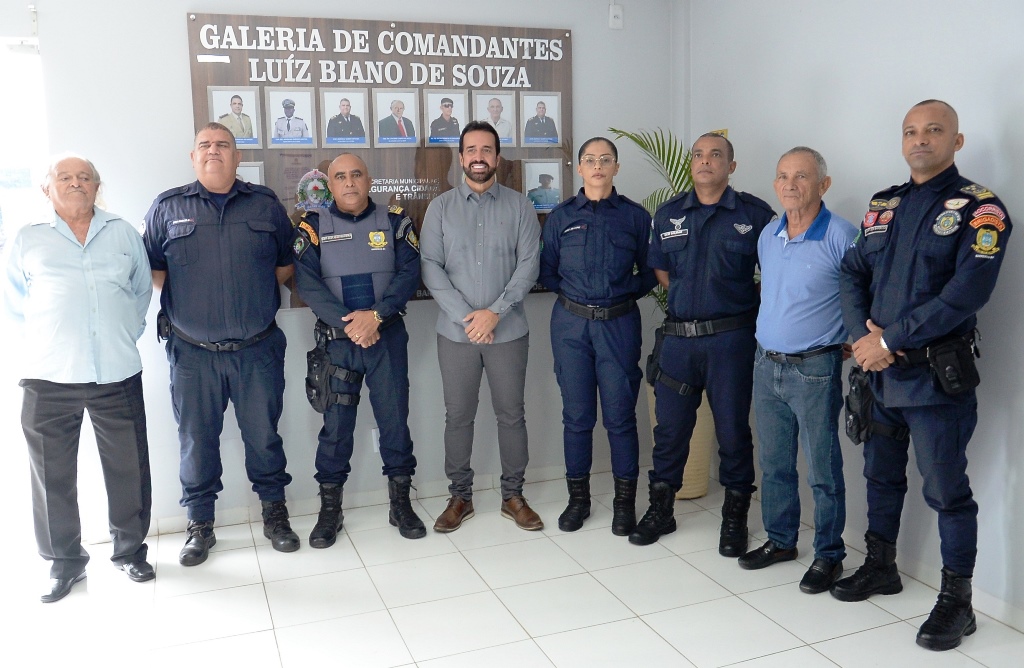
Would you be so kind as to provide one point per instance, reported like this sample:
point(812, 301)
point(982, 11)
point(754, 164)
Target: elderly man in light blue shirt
point(480, 252)
point(79, 284)
point(798, 370)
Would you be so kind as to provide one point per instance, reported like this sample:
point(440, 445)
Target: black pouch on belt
point(952, 363)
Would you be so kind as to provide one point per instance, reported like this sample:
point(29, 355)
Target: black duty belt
point(798, 358)
point(919, 356)
point(597, 312)
point(325, 331)
point(693, 328)
point(226, 346)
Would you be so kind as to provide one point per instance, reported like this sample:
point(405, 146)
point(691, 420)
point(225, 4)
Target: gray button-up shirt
point(480, 251)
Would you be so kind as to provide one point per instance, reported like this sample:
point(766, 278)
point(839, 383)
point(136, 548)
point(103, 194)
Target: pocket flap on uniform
point(261, 225)
point(179, 230)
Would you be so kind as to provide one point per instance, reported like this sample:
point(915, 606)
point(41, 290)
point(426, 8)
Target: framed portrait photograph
point(251, 172)
point(291, 118)
point(542, 183)
point(238, 109)
point(444, 114)
point(499, 109)
point(344, 112)
point(543, 114)
point(396, 111)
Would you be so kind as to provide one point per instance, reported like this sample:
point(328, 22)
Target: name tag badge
point(674, 233)
point(327, 238)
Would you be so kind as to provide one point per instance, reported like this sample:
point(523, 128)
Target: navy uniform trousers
point(593, 355)
point(940, 436)
point(723, 365)
point(202, 382)
point(385, 366)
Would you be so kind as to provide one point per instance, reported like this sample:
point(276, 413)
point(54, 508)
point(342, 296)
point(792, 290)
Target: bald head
point(348, 179)
point(945, 105)
point(931, 138)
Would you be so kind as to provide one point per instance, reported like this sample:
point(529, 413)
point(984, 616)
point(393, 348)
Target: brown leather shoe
point(517, 510)
point(458, 511)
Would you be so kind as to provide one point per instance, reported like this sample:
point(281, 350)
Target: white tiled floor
point(486, 595)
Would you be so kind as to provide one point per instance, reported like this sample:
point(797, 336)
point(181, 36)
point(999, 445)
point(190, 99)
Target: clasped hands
point(481, 324)
point(868, 350)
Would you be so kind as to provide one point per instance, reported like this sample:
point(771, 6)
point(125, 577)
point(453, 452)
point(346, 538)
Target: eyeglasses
point(447, 104)
point(604, 161)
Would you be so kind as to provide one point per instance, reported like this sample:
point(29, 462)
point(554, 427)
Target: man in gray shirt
point(480, 250)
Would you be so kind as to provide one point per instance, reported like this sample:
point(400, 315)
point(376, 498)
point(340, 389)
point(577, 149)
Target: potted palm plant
point(671, 159)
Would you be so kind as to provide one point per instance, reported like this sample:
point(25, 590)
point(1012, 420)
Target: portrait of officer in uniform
point(541, 128)
point(704, 251)
point(240, 124)
point(544, 196)
point(591, 243)
point(925, 262)
point(357, 264)
point(290, 126)
point(491, 110)
point(219, 247)
point(445, 126)
point(77, 289)
point(345, 124)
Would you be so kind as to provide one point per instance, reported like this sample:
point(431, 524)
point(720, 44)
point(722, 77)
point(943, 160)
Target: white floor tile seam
point(924, 652)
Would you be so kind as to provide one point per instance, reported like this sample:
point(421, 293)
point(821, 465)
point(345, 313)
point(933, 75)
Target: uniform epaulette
point(395, 209)
point(885, 199)
point(676, 198)
point(256, 187)
point(562, 205)
point(978, 192)
point(179, 190)
point(629, 201)
point(754, 200)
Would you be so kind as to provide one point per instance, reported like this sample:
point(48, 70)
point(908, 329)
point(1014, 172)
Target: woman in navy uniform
point(592, 242)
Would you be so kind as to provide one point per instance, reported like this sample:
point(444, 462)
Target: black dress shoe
point(820, 577)
point(61, 588)
point(138, 571)
point(765, 556)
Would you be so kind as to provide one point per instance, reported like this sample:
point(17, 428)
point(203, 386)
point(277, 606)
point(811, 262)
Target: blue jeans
point(801, 399)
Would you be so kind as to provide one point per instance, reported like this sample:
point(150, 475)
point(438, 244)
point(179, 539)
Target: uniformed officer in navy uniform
point(704, 250)
point(445, 126)
point(219, 247)
point(345, 123)
point(541, 126)
point(925, 262)
point(591, 243)
point(357, 266)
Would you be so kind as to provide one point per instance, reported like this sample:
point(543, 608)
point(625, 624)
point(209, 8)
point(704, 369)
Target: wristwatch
point(376, 316)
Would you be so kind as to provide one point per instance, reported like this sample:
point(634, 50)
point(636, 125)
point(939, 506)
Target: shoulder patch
point(979, 192)
point(300, 244)
point(310, 232)
point(990, 210)
point(394, 208)
point(407, 231)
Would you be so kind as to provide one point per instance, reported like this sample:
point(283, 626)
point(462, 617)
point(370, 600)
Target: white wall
point(839, 77)
point(118, 90)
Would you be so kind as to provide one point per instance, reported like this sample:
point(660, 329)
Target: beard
point(481, 177)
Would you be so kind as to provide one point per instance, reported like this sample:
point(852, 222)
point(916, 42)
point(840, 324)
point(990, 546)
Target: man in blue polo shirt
point(798, 369)
point(218, 248)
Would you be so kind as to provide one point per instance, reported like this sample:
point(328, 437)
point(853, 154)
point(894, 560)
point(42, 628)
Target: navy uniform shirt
point(220, 260)
point(924, 263)
point(710, 253)
point(591, 248)
point(442, 128)
point(315, 292)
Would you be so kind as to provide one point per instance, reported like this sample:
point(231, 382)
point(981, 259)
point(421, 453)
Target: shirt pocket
point(181, 248)
point(261, 236)
point(573, 248)
point(737, 258)
point(116, 269)
point(936, 259)
point(624, 247)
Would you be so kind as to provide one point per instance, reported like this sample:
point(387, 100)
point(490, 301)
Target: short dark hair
point(480, 126)
point(216, 126)
point(235, 97)
point(945, 104)
point(586, 144)
point(730, 152)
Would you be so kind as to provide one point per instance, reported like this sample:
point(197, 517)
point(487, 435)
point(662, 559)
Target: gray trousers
point(51, 417)
point(462, 365)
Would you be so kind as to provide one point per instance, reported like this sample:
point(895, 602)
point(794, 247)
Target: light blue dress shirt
point(83, 306)
point(800, 308)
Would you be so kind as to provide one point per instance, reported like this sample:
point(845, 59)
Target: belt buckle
point(690, 328)
point(600, 313)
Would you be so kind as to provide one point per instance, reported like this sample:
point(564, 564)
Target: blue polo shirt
point(800, 308)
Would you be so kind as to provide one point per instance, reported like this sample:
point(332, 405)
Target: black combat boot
point(878, 575)
point(198, 541)
point(277, 528)
point(328, 522)
point(952, 618)
point(624, 507)
point(401, 514)
point(578, 509)
point(658, 520)
point(732, 541)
